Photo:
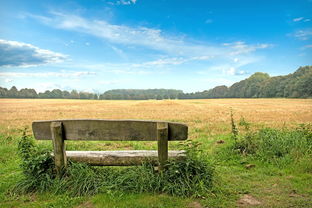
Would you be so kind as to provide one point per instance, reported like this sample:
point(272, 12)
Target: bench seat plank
point(109, 130)
point(120, 158)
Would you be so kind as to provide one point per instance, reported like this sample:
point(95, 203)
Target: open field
point(208, 120)
point(212, 114)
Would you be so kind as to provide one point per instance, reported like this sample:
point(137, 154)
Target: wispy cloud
point(306, 47)
point(241, 47)
point(123, 2)
point(162, 62)
point(298, 19)
point(148, 67)
point(110, 82)
point(303, 34)
point(154, 39)
point(121, 34)
point(231, 67)
point(47, 74)
point(119, 52)
point(173, 50)
point(301, 19)
point(234, 71)
point(217, 81)
point(226, 69)
point(13, 53)
point(209, 21)
point(8, 80)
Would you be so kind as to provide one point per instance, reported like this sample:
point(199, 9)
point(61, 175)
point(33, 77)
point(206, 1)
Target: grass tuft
point(190, 177)
point(276, 146)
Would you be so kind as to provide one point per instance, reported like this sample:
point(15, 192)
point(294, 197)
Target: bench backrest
point(109, 130)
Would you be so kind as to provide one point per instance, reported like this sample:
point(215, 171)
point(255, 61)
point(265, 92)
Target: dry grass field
point(285, 184)
point(212, 114)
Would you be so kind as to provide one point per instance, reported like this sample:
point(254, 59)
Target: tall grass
point(190, 177)
point(276, 146)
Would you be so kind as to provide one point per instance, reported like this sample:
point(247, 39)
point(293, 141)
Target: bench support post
point(58, 147)
point(162, 138)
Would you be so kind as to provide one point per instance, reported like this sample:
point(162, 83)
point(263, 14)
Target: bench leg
point(162, 137)
point(59, 147)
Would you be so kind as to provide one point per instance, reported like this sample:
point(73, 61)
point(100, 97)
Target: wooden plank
point(120, 158)
point(58, 147)
point(109, 130)
point(162, 138)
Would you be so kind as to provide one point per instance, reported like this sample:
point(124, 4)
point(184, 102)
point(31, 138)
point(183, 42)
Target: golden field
point(273, 184)
point(211, 115)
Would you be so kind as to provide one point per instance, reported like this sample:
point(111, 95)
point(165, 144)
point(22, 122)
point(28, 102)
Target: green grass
point(191, 177)
point(281, 175)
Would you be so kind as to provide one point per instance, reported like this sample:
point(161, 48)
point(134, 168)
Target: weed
point(37, 166)
point(234, 128)
point(243, 122)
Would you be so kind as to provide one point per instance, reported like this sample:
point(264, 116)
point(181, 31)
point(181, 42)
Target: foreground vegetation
point(245, 157)
point(189, 178)
point(258, 85)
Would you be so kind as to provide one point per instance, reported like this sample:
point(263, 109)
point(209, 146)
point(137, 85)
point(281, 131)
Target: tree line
point(258, 85)
point(261, 85)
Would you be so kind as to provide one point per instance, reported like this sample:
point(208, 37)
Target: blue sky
point(97, 45)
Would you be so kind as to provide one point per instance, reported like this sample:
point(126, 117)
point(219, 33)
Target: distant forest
point(258, 85)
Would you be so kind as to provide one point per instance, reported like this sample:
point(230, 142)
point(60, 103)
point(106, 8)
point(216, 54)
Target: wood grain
point(162, 144)
point(109, 130)
point(58, 147)
point(120, 158)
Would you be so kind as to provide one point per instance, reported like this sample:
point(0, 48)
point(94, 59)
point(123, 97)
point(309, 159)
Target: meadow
point(281, 184)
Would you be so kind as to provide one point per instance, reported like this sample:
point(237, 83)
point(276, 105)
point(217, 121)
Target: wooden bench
point(111, 130)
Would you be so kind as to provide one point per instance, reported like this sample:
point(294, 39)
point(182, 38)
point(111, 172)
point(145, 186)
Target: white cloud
point(172, 50)
point(301, 19)
point(8, 80)
point(241, 47)
point(154, 66)
point(298, 19)
point(306, 47)
point(201, 58)
point(48, 86)
point(13, 53)
point(123, 2)
point(231, 67)
point(150, 38)
point(111, 82)
point(172, 61)
point(234, 71)
point(47, 74)
point(115, 68)
point(128, 71)
point(304, 34)
point(119, 51)
point(161, 62)
point(226, 69)
point(217, 81)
